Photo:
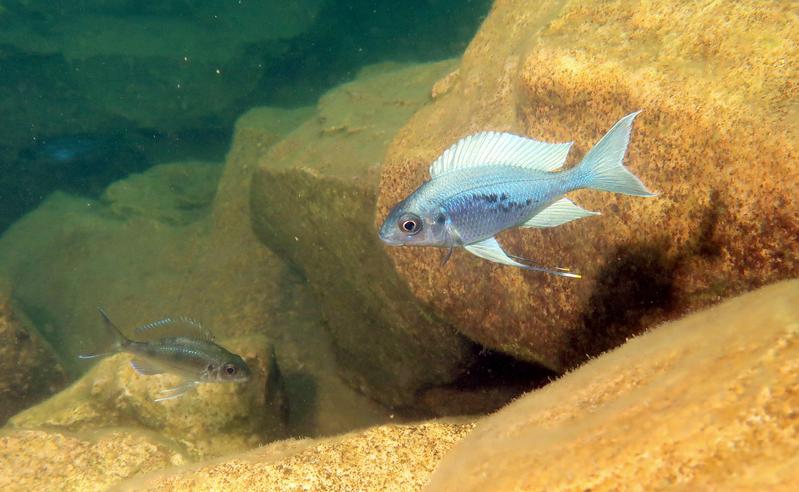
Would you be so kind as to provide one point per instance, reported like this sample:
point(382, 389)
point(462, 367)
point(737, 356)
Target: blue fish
point(491, 181)
point(70, 149)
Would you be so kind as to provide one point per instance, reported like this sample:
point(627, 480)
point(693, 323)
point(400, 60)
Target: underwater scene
point(428, 245)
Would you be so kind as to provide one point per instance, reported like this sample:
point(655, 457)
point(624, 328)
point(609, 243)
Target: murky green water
point(213, 175)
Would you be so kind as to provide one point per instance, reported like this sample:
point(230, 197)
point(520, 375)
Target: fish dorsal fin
point(490, 249)
point(179, 326)
point(496, 148)
point(560, 212)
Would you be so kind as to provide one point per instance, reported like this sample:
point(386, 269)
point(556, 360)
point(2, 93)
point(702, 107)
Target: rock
point(201, 63)
point(176, 193)
point(709, 401)
point(212, 420)
point(43, 460)
point(29, 371)
point(725, 219)
point(313, 199)
point(387, 458)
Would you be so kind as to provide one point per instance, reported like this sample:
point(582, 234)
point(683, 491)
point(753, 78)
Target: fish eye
point(410, 224)
point(230, 369)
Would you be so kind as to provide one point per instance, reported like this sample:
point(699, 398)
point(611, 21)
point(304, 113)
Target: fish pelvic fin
point(602, 168)
point(490, 249)
point(119, 343)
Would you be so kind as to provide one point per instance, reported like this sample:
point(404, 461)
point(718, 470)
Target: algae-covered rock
point(390, 458)
point(717, 140)
point(175, 193)
point(48, 460)
point(313, 200)
point(213, 419)
point(29, 370)
point(707, 402)
point(166, 65)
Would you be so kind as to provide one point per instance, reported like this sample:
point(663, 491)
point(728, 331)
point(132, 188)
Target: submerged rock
point(707, 402)
point(49, 460)
point(390, 458)
point(717, 140)
point(167, 65)
point(29, 370)
point(212, 420)
point(313, 199)
point(176, 193)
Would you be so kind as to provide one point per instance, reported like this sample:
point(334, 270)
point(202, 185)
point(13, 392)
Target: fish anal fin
point(145, 368)
point(560, 212)
point(490, 249)
point(498, 148)
point(177, 391)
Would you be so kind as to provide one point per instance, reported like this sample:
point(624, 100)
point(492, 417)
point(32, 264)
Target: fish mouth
point(392, 242)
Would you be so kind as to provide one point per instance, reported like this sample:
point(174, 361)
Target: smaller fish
point(180, 346)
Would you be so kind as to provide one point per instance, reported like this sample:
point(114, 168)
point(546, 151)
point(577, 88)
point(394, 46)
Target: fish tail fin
point(119, 343)
point(602, 168)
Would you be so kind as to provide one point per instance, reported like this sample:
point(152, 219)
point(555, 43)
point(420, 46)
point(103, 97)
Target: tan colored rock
point(313, 200)
point(212, 420)
point(707, 402)
point(47, 460)
point(390, 458)
point(718, 140)
point(29, 370)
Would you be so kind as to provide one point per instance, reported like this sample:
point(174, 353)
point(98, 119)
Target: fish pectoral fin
point(177, 391)
point(560, 212)
point(145, 368)
point(490, 249)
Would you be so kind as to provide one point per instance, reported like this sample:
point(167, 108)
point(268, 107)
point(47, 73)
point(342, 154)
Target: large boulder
point(717, 140)
point(706, 402)
point(48, 460)
point(313, 199)
point(165, 65)
point(29, 369)
point(391, 458)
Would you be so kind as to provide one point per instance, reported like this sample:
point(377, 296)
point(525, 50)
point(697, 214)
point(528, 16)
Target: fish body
point(490, 182)
point(185, 349)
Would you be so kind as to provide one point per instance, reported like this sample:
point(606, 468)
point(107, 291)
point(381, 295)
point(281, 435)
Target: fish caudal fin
point(490, 249)
point(602, 167)
point(119, 340)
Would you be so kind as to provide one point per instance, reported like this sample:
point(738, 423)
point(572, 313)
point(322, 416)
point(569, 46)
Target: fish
point(70, 149)
point(180, 346)
point(492, 181)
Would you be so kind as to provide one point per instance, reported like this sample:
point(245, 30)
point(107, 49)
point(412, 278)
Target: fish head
point(412, 223)
point(231, 369)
